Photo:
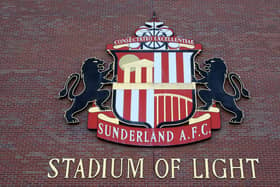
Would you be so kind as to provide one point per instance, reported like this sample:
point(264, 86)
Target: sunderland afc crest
point(154, 90)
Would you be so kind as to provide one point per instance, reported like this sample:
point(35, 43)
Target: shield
point(154, 88)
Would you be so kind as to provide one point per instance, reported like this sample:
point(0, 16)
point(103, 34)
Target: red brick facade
point(42, 42)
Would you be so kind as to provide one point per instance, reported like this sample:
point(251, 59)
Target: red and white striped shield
point(154, 88)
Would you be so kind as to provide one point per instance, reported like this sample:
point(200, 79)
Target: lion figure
point(214, 78)
point(92, 74)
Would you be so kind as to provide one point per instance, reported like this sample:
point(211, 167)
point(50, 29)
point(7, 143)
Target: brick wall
point(42, 42)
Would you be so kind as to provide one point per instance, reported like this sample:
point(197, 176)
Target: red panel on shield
point(142, 105)
point(127, 104)
point(180, 67)
point(132, 77)
point(175, 110)
point(143, 75)
point(172, 105)
point(168, 110)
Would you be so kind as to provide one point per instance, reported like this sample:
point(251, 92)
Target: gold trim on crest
point(161, 86)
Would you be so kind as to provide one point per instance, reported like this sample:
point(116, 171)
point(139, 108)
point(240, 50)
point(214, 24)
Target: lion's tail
point(244, 91)
point(64, 92)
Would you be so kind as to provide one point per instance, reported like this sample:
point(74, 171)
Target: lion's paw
point(235, 121)
point(73, 120)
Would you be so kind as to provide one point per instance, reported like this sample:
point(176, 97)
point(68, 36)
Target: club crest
point(154, 90)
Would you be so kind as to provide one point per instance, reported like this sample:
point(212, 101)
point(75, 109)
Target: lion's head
point(215, 65)
point(91, 69)
point(93, 63)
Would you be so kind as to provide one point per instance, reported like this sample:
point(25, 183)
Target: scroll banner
point(110, 128)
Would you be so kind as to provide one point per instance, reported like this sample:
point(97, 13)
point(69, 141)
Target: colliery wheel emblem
point(154, 91)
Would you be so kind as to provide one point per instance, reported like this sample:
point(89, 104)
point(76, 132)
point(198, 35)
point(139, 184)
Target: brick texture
point(42, 42)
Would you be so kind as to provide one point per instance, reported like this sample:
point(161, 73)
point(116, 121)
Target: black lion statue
point(214, 78)
point(92, 74)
